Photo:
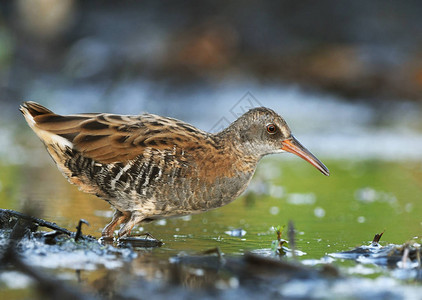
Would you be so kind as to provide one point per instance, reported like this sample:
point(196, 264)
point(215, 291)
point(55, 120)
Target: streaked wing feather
point(108, 138)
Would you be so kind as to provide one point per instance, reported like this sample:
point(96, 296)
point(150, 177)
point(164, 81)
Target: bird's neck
point(225, 171)
point(232, 157)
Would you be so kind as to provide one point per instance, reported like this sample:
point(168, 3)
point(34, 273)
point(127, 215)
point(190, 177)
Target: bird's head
point(262, 131)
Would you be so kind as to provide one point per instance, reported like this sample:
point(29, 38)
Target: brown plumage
point(149, 167)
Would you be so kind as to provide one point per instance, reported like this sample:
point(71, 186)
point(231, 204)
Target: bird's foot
point(135, 241)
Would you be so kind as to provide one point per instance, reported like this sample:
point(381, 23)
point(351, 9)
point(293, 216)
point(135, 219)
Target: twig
point(51, 288)
point(418, 257)
point(405, 256)
point(79, 229)
point(39, 222)
point(291, 234)
point(377, 237)
point(217, 251)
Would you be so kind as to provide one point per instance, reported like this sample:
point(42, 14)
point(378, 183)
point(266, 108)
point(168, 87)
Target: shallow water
point(374, 155)
point(330, 213)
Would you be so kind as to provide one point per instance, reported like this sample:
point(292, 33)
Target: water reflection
point(340, 228)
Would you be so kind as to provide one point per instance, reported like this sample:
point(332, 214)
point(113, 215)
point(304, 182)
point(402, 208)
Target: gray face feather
point(260, 131)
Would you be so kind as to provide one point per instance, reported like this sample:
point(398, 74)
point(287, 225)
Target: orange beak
point(292, 145)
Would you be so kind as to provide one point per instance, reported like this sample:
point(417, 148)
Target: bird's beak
point(292, 145)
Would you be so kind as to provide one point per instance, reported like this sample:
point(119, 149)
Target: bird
point(149, 167)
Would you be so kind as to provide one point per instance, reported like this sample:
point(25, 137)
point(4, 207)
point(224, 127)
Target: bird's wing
point(109, 138)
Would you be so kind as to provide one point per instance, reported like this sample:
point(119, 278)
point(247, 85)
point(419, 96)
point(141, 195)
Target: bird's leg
point(118, 218)
point(147, 234)
point(135, 218)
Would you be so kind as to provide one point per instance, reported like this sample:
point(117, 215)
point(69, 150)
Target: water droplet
point(319, 212)
point(162, 222)
point(186, 218)
point(301, 199)
point(236, 232)
point(274, 210)
point(276, 191)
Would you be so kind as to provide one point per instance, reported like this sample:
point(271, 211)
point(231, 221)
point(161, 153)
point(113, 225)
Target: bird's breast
point(174, 187)
point(165, 183)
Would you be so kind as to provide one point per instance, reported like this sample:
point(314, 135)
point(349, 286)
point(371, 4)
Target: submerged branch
point(39, 222)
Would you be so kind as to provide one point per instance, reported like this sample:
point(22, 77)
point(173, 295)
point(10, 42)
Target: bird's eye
point(271, 128)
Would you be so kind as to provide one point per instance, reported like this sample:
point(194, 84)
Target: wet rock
point(406, 256)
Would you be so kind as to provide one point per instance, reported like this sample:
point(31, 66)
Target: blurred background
point(330, 68)
point(355, 49)
point(346, 75)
